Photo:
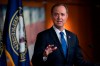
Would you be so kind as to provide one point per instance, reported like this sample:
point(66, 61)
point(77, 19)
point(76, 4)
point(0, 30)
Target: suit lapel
point(56, 40)
point(70, 44)
point(58, 44)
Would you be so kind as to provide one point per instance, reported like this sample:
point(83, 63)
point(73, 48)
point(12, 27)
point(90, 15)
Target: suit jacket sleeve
point(79, 60)
point(37, 59)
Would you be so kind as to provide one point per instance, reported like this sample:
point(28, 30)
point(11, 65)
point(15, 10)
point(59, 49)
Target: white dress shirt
point(58, 33)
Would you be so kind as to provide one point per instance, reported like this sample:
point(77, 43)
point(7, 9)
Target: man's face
point(59, 16)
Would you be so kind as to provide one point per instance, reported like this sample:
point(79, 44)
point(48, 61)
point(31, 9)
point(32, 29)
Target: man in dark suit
point(57, 46)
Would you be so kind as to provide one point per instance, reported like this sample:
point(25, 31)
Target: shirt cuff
point(44, 58)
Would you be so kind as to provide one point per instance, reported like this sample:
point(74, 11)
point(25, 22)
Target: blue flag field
point(14, 36)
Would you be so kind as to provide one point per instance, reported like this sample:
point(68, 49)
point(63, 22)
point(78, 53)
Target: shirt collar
point(58, 31)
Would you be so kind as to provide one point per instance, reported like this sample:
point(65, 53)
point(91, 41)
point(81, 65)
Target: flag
point(2, 47)
point(14, 36)
point(2, 55)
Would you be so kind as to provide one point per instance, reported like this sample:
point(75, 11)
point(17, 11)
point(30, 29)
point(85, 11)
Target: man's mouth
point(59, 21)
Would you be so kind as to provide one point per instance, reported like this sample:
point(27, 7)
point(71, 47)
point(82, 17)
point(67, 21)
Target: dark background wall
point(96, 29)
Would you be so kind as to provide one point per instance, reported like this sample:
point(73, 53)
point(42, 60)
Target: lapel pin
point(69, 36)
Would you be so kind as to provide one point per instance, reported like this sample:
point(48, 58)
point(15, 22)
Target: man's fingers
point(50, 46)
point(49, 49)
point(54, 48)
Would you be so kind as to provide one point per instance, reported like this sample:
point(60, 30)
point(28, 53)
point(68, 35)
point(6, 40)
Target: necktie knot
point(61, 33)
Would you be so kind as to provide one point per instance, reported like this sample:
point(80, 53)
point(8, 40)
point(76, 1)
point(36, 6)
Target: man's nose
point(59, 16)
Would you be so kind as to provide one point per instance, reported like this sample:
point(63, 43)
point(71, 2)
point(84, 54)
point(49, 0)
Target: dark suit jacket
point(57, 58)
